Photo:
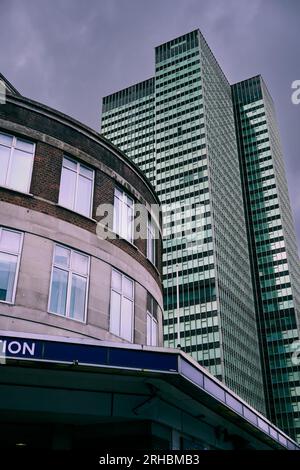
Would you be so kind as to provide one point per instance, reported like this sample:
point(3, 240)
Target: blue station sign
point(86, 354)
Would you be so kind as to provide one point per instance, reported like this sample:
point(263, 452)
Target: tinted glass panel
point(115, 310)
point(8, 267)
point(20, 171)
point(4, 161)
point(59, 291)
point(77, 301)
point(67, 188)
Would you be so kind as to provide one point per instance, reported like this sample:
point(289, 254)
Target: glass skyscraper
point(273, 249)
point(208, 150)
point(128, 120)
point(179, 128)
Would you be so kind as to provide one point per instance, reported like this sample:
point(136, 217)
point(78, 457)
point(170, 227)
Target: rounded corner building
point(81, 359)
point(58, 274)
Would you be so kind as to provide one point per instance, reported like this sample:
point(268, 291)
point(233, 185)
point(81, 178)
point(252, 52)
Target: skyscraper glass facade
point(273, 249)
point(128, 121)
point(187, 148)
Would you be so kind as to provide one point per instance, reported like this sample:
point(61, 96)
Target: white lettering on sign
point(15, 347)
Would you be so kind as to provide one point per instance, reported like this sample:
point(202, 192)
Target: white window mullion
point(123, 217)
point(10, 163)
point(68, 299)
point(120, 313)
point(92, 195)
point(17, 268)
point(76, 187)
point(120, 221)
point(148, 329)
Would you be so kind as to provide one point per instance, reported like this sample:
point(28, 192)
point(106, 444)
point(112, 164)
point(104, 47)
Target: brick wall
point(46, 175)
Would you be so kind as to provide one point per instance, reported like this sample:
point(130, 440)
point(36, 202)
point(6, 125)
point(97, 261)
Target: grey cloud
point(70, 53)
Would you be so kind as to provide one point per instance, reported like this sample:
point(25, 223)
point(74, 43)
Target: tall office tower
point(179, 128)
point(128, 121)
point(273, 249)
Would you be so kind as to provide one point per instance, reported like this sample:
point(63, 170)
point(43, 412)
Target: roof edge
point(11, 89)
point(83, 128)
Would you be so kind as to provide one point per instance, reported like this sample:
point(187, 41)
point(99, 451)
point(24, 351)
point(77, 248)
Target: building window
point(69, 283)
point(16, 161)
point(151, 241)
point(152, 322)
point(10, 251)
point(123, 215)
point(76, 187)
point(121, 305)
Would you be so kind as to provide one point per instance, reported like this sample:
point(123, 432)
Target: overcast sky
point(69, 53)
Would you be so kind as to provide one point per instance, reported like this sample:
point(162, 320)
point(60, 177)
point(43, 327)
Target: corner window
point(123, 223)
point(76, 187)
point(152, 322)
point(10, 252)
point(121, 305)
point(16, 161)
point(69, 283)
point(151, 241)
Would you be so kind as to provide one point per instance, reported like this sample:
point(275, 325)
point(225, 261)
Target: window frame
point(12, 148)
point(151, 229)
point(153, 320)
point(12, 302)
point(69, 284)
point(122, 295)
point(75, 196)
point(116, 227)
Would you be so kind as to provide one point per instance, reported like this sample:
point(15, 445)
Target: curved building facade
point(71, 263)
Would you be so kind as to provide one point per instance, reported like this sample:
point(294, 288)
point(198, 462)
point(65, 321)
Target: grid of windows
point(10, 252)
point(121, 305)
point(274, 259)
point(192, 102)
point(68, 293)
point(128, 121)
point(69, 283)
point(76, 187)
point(16, 161)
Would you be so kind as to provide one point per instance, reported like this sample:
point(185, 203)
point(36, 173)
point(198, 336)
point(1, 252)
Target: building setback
point(273, 248)
point(179, 128)
point(183, 114)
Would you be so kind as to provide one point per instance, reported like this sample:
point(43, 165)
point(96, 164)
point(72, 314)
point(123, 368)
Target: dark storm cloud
point(70, 53)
